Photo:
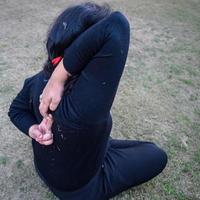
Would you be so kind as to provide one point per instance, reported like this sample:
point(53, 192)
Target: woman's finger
point(36, 133)
point(54, 103)
point(44, 106)
point(43, 125)
point(49, 122)
point(47, 142)
point(40, 98)
point(47, 136)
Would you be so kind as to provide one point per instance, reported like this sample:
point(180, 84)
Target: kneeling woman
point(80, 160)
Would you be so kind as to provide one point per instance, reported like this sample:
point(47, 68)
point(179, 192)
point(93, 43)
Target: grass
point(197, 157)
point(193, 97)
point(176, 69)
point(197, 112)
point(6, 89)
point(188, 82)
point(50, 196)
point(184, 120)
point(3, 160)
point(171, 191)
point(191, 71)
point(20, 164)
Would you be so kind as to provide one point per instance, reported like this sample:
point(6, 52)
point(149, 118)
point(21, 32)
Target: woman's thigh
point(126, 166)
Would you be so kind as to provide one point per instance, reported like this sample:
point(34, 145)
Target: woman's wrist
point(60, 74)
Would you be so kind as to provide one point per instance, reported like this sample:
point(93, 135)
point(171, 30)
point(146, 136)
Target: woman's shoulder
point(36, 77)
point(33, 83)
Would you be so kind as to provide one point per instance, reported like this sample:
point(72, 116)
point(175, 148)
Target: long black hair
point(69, 25)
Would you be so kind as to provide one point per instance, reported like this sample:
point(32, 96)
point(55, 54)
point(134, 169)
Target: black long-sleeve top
point(79, 147)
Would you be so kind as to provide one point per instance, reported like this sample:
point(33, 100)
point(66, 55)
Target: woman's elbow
point(11, 114)
point(119, 21)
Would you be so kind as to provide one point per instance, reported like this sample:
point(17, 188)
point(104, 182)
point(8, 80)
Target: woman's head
point(69, 25)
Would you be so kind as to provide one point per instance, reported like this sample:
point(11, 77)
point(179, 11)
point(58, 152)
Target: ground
point(158, 97)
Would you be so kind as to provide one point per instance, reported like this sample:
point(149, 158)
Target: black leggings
point(127, 163)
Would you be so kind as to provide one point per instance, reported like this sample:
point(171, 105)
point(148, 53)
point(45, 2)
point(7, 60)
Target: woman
point(80, 160)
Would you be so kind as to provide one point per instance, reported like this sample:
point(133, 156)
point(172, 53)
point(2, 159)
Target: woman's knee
point(159, 156)
point(118, 20)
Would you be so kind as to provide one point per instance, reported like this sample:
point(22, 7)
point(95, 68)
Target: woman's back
point(78, 149)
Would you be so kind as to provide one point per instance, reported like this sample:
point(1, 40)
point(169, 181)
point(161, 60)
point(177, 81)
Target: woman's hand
point(53, 91)
point(51, 96)
point(42, 132)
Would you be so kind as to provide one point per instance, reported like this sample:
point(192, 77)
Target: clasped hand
point(49, 99)
point(42, 132)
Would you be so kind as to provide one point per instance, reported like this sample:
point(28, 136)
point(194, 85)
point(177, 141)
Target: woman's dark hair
point(69, 25)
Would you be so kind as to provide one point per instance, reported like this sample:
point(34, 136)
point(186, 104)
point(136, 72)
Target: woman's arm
point(53, 91)
point(20, 112)
point(21, 115)
point(76, 57)
point(87, 45)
